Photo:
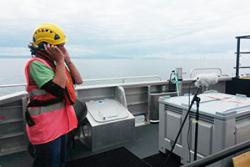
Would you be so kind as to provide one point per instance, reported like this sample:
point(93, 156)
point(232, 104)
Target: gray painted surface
point(224, 121)
point(133, 96)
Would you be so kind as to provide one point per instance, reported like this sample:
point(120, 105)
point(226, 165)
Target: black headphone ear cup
point(41, 45)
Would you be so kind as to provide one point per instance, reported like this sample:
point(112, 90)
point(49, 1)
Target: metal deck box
point(110, 124)
point(224, 121)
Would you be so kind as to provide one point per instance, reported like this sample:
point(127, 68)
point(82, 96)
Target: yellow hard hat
point(48, 33)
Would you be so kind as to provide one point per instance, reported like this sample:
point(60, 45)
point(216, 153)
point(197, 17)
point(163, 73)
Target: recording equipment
point(205, 80)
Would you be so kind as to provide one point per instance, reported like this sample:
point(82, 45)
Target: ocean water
point(12, 69)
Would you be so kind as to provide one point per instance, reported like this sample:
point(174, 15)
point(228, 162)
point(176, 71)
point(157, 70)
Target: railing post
point(237, 57)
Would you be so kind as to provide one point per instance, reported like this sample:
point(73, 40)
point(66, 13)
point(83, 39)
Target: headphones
point(41, 46)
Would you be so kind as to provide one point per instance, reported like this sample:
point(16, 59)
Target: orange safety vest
point(52, 117)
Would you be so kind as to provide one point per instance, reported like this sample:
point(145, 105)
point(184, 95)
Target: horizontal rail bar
point(121, 79)
point(242, 53)
point(219, 155)
point(12, 85)
point(204, 69)
point(243, 67)
point(245, 36)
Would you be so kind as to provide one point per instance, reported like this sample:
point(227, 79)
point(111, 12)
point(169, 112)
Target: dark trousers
point(51, 154)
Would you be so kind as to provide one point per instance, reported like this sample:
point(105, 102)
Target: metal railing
point(122, 80)
point(220, 155)
point(238, 53)
point(12, 85)
point(196, 71)
point(103, 80)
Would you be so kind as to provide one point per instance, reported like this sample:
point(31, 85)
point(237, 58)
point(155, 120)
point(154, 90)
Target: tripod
point(197, 100)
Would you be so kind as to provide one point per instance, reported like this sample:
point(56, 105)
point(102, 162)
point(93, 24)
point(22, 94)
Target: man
point(50, 75)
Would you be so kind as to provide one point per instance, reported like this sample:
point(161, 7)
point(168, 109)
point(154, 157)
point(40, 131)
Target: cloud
point(132, 27)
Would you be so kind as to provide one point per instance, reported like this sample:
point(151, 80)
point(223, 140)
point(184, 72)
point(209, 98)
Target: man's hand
point(73, 70)
point(55, 52)
point(65, 53)
point(60, 77)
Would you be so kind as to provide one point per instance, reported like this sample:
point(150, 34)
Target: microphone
point(205, 80)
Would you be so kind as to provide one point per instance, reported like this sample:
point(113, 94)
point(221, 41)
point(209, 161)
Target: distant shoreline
point(125, 58)
point(10, 57)
point(74, 57)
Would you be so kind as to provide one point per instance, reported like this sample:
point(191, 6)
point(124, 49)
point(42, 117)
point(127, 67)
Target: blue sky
point(130, 28)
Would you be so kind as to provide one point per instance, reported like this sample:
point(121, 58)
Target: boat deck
point(145, 144)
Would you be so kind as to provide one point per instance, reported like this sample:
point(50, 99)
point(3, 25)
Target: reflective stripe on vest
point(45, 109)
point(36, 110)
point(37, 92)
